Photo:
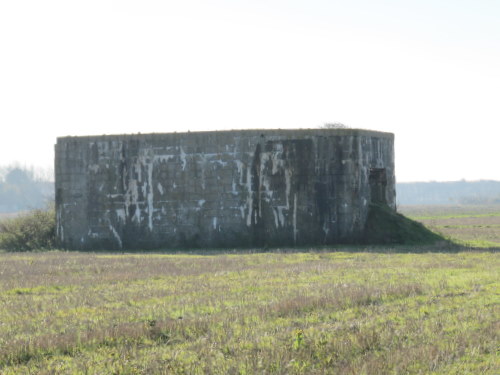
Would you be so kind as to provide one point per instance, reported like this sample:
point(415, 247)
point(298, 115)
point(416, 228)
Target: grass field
point(272, 313)
point(343, 310)
point(477, 226)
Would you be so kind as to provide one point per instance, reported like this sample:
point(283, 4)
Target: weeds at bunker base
point(220, 189)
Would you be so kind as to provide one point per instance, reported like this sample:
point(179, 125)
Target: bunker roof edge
point(243, 132)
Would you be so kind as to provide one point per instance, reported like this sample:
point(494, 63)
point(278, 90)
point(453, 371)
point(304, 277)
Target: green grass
point(455, 216)
point(470, 226)
point(449, 211)
point(311, 312)
point(477, 244)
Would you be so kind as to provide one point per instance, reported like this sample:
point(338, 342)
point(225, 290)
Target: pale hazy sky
point(427, 70)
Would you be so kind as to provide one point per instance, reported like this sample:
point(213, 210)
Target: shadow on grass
point(444, 246)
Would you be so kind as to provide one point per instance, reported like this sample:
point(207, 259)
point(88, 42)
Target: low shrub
point(30, 231)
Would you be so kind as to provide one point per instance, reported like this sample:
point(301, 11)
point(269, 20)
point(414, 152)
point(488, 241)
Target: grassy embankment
point(294, 313)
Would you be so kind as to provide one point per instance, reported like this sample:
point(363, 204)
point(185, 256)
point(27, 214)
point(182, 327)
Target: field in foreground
point(268, 313)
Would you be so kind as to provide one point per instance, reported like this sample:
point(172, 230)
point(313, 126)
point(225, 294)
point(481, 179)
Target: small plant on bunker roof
point(334, 125)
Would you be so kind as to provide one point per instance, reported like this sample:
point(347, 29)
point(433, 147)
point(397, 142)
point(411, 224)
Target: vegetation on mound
point(385, 226)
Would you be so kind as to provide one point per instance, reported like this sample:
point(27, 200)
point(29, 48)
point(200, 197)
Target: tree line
point(23, 188)
point(453, 192)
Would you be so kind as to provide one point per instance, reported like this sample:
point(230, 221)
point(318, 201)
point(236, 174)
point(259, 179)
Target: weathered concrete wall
point(220, 189)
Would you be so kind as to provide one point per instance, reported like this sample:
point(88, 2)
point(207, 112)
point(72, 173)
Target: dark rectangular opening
point(378, 185)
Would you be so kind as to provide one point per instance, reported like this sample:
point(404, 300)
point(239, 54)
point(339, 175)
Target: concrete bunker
point(238, 188)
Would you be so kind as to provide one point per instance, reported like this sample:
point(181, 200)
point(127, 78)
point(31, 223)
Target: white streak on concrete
point(150, 196)
point(201, 202)
point(281, 216)
point(160, 188)
point(132, 198)
point(295, 231)
point(138, 169)
point(214, 223)
point(121, 215)
point(183, 158)
point(325, 228)
point(92, 234)
point(288, 186)
point(102, 148)
point(203, 163)
point(117, 236)
point(264, 182)
point(276, 159)
point(240, 166)
point(137, 215)
point(220, 162)
point(275, 213)
point(164, 158)
point(233, 188)
point(94, 168)
point(249, 197)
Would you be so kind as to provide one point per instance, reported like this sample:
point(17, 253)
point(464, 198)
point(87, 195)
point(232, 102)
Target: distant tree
point(18, 176)
point(20, 190)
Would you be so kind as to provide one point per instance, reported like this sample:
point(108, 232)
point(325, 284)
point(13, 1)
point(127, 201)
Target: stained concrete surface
point(220, 189)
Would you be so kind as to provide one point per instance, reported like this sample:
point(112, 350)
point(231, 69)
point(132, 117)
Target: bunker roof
point(280, 133)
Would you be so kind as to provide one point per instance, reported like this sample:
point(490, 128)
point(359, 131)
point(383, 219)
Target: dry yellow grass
point(318, 312)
